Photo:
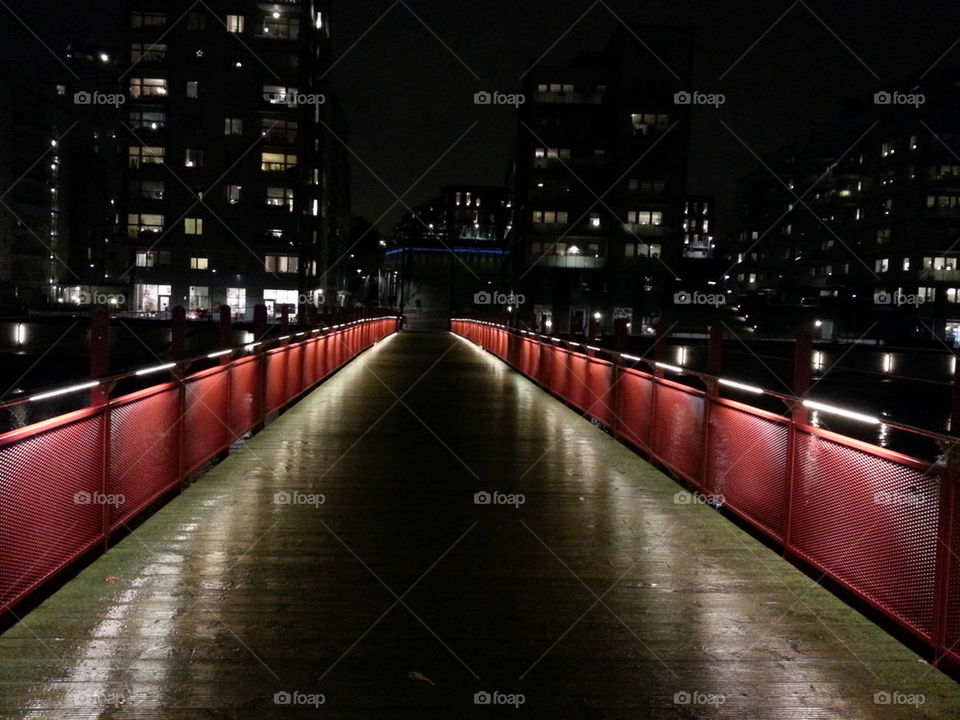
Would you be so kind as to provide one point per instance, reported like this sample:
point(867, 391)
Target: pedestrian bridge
point(427, 533)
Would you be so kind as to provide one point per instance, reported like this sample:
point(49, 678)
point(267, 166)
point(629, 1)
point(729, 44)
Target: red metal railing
point(883, 525)
point(69, 483)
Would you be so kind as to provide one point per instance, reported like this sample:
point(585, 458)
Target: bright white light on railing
point(64, 391)
point(631, 357)
point(20, 334)
point(155, 369)
point(888, 362)
point(591, 347)
point(219, 353)
point(671, 368)
point(251, 346)
point(300, 334)
point(283, 337)
point(818, 360)
point(681, 355)
point(841, 412)
point(742, 386)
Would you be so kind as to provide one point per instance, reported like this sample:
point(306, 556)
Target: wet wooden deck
point(395, 595)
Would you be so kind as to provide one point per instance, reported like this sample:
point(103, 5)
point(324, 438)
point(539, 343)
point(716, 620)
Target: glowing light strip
point(284, 337)
point(631, 357)
point(841, 412)
point(671, 368)
point(156, 369)
point(64, 391)
point(591, 347)
point(221, 353)
point(741, 386)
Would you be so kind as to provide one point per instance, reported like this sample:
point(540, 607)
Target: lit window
point(280, 131)
point(280, 95)
point(61, 89)
point(142, 19)
point(147, 189)
point(199, 263)
point(193, 226)
point(148, 87)
point(232, 194)
point(145, 155)
point(275, 162)
point(193, 89)
point(594, 220)
point(193, 158)
point(147, 52)
point(143, 222)
point(232, 126)
point(235, 23)
point(148, 119)
point(237, 300)
point(279, 196)
point(281, 264)
point(199, 297)
point(280, 27)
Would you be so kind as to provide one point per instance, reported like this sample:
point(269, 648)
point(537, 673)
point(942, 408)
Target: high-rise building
point(234, 171)
point(601, 180)
point(859, 224)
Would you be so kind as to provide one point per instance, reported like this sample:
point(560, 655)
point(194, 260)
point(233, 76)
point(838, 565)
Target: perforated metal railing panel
point(678, 430)
point(205, 426)
point(869, 522)
point(143, 464)
point(244, 382)
point(49, 512)
point(748, 466)
point(634, 396)
point(865, 517)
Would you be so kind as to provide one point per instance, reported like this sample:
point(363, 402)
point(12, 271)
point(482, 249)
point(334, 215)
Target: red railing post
point(100, 396)
point(802, 375)
point(259, 333)
point(943, 567)
point(658, 351)
point(714, 369)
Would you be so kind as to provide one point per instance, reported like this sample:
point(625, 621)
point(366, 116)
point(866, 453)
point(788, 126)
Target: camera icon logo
point(82, 97)
point(882, 297)
point(482, 98)
point(82, 498)
point(282, 698)
point(682, 497)
point(682, 298)
point(882, 698)
point(482, 298)
point(282, 498)
point(682, 698)
point(682, 98)
point(482, 698)
point(882, 97)
point(482, 498)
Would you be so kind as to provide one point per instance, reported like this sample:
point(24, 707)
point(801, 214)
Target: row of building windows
point(271, 24)
point(561, 217)
point(140, 155)
point(162, 258)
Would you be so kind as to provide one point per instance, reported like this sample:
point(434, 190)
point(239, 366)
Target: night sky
point(408, 98)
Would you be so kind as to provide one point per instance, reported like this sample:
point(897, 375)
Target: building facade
point(858, 228)
point(601, 180)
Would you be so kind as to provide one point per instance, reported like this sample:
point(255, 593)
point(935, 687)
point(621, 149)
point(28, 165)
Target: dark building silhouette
point(857, 230)
point(601, 180)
